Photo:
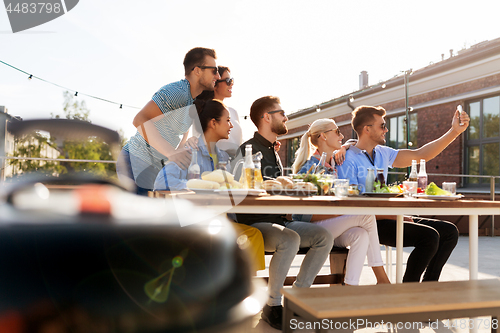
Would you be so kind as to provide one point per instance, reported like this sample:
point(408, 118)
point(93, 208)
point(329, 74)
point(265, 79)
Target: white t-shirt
point(235, 140)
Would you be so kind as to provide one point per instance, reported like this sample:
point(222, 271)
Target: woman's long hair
point(309, 142)
point(205, 111)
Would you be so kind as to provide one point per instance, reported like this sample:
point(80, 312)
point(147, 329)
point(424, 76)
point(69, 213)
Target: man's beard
point(379, 140)
point(207, 85)
point(279, 128)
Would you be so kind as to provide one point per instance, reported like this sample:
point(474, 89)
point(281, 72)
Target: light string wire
point(31, 76)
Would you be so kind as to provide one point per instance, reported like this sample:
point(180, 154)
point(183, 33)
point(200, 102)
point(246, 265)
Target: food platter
point(241, 191)
point(383, 195)
point(439, 197)
point(292, 192)
point(203, 191)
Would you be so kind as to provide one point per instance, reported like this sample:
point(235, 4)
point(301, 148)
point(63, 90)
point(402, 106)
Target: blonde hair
point(309, 142)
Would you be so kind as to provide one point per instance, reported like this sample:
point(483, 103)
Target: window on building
point(482, 146)
point(396, 138)
point(292, 148)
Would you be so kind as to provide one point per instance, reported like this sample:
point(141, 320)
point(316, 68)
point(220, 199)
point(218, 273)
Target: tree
point(43, 146)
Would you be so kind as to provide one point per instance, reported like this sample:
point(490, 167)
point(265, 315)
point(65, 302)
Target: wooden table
point(355, 307)
point(355, 206)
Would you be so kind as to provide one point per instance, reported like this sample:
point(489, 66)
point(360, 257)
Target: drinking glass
point(325, 183)
point(341, 187)
point(450, 187)
point(409, 188)
point(353, 190)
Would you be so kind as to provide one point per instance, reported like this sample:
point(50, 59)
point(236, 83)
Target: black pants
point(434, 240)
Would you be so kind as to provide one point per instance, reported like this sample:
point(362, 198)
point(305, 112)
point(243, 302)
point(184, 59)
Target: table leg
point(399, 249)
point(287, 316)
point(473, 247)
point(388, 261)
point(473, 254)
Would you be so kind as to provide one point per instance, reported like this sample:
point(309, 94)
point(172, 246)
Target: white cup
point(409, 188)
point(341, 187)
point(450, 187)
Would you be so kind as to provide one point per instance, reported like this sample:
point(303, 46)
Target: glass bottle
point(334, 168)
point(413, 174)
point(370, 179)
point(422, 176)
point(322, 164)
point(380, 177)
point(194, 168)
point(248, 169)
point(258, 181)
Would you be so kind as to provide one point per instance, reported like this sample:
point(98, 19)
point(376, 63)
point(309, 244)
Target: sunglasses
point(275, 111)
point(229, 81)
point(214, 69)
point(382, 126)
point(337, 131)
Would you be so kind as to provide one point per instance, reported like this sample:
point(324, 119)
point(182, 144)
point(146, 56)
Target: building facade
point(470, 78)
point(6, 143)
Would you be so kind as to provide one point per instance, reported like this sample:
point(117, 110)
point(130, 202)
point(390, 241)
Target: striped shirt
point(174, 100)
point(173, 178)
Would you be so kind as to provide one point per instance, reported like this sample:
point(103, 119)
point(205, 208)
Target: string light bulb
point(30, 77)
point(318, 109)
point(351, 98)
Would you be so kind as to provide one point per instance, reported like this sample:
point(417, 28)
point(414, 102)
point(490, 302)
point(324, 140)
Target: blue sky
point(303, 52)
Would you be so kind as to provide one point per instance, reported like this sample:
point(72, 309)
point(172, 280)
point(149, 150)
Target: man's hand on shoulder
point(181, 156)
point(340, 155)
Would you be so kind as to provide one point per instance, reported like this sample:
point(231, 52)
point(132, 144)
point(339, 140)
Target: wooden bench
point(339, 306)
point(338, 257)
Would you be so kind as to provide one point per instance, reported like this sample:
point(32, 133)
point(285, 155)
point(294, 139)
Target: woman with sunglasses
point(224, 89)
point(357, 231)
point(215, 123)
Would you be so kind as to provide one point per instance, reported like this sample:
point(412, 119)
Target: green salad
point(386, 189)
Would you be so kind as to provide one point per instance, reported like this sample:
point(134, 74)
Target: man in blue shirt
point(433, 240)
point(163, 124)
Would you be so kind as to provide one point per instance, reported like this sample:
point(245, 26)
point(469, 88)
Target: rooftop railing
point(491, 190)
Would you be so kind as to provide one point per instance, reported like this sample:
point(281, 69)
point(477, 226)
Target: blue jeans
point(285, 242)
point(144, 173)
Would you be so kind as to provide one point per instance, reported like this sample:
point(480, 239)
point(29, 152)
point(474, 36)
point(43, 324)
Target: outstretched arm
point(434, 148)
point(144, 121)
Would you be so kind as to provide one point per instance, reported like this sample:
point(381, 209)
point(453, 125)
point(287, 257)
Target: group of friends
point(158, 156)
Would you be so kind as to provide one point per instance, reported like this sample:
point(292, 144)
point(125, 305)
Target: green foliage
point(38, 145)
point(73, 109)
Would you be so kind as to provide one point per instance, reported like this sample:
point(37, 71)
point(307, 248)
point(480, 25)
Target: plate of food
point(438, 197)
point(211, 181)
point(201, 186)
point(292, 192)
point(434, 192)
point(285, 186)
point(203, 190)
point(241, 191)
point(382, 194)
